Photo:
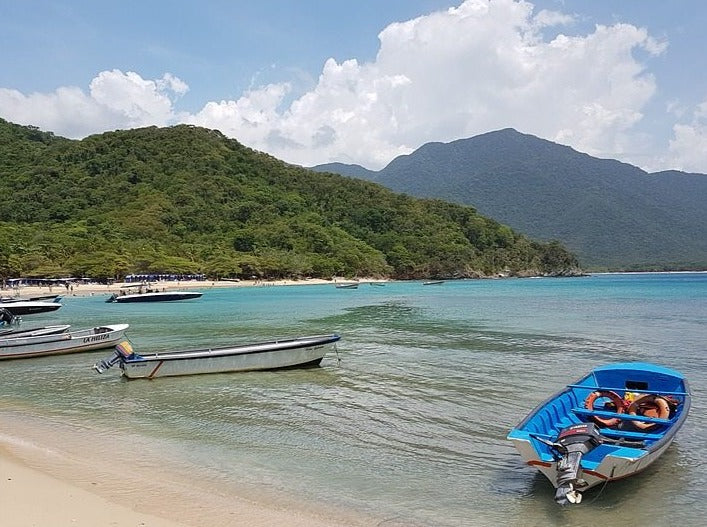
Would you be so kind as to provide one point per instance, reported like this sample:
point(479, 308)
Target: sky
point(364, 81)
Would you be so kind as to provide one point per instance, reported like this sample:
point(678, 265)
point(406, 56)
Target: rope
point(606, 482)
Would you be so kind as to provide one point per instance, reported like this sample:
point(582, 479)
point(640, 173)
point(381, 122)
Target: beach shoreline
point(91, 288)
point(52, 474)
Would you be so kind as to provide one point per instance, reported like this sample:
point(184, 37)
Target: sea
point(404, 424)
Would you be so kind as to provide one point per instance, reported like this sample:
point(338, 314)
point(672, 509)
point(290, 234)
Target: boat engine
point(572, 443)
point(123, 350)
point(6, 317)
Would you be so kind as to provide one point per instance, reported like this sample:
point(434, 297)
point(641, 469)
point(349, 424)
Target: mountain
point(186, 199)
point(611, 214)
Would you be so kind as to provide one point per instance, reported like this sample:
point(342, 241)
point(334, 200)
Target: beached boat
point(62, 343)
point(610, 424)
point(29, 307)
point(33, 332)
point(145, 293)
point(288, 353)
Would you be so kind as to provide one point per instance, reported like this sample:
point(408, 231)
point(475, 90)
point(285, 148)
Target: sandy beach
point(89, 289)
point(54, 475)
point(30, 498)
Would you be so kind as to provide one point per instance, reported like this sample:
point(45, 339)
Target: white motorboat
point(62, 343)
point(146, 293)
point(29, 307)
point(288, 353)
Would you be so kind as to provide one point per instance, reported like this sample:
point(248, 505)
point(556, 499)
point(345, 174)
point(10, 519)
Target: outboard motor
point(123, 350)
point(572, 443)
point(6, 317)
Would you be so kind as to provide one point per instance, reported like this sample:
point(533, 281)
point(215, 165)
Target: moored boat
point(145, 293)
point(41, 298)
point(29, 307)
point(347, 285)
point(62, 343)
point(433, 282)
point(298, 352)
point(610, 424)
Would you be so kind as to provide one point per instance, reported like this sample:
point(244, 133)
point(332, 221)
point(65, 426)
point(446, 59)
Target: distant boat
point(29, 307)
point(145, 293)
point(347, 285)
point(62, 343)
point(433, 282)
point(288, 353)
point(612, 423)
point(379, 284)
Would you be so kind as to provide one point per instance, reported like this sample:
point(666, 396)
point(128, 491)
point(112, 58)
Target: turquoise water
point(404, 425)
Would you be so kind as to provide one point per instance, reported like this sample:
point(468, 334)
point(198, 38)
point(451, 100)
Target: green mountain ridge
point(611, 214)
point(185, 199)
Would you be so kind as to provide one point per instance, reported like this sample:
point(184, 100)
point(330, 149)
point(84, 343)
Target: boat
point(62, 343)
point(347, 285)
point(29, 307)
point(33, 332)
point(145, 293)
point(298, 352)
point(41, 298)
point(433, 282)
point(612, 423)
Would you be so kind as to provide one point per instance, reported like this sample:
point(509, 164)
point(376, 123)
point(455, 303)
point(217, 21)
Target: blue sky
point(316, 81)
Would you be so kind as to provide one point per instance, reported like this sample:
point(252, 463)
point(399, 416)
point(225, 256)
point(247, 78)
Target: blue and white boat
point(610, 424)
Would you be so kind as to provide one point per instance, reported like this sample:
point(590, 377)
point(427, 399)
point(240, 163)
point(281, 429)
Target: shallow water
point(404, 425)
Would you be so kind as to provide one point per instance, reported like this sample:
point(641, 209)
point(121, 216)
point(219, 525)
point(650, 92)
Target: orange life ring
point(605, 394)
point(650, 406)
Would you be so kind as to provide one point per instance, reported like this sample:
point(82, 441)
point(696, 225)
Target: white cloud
point(483, 65)
point(115, 100)
point(688, 149)
point(480, 66)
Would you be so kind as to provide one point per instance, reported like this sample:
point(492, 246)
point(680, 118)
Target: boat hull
point(29, 307)
point(292, 353)
point(62, 343)
point(639, 447)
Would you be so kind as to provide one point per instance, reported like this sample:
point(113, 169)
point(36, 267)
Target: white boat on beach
point(298, 352)
point(62, 343)
point(146, 293)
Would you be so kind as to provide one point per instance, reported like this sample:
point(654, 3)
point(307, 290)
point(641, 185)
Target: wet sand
point(53, 476)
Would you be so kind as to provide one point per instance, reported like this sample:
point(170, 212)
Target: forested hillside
point(189, 200)
point(611, 214)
